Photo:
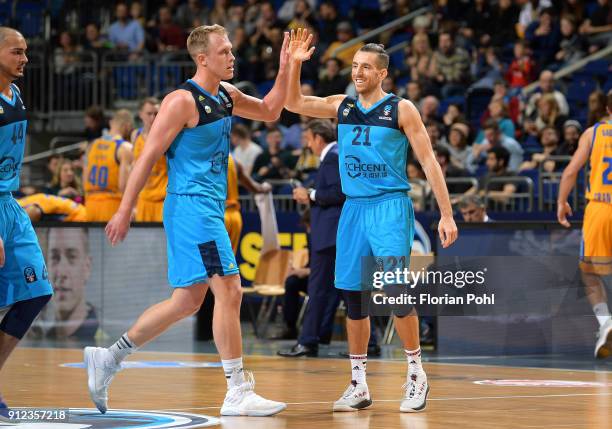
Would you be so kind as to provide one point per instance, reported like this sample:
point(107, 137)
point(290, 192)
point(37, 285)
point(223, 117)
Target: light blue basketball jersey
point(373, 150)
point(197, 158)
point(13, 127)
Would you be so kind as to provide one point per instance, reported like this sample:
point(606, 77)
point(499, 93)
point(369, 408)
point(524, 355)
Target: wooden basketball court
point(33, 377)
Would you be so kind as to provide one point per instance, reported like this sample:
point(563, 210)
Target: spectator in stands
point(544, 37)
point(414, 94)
point(344, 33)
point(433, 131)
point(419, 61)
point(498, 111)
point(497, 166)
point(66, 183)
point(136, 13)
point(571, 134)
point(66, 55)
point(51, 167)
point(504, 16)
point(486, 68)
point(301, 15)
point(245, 151)
point(388, 85)
point(328, 21)
point(171, 37)
point(546, 86)
point(529, 13)
point(420, 189)
point(273, 163)
point(451, 171)
point(187, 12)
point(235, 20)
point(548, 113)
point(574, 8)
point(493, 139)
point(218, 14)
point(473, 209)
point(126, 34)
point(521, 71)
point(597, 108)
point(307, 162)
point(477, 30)
point(457, 145)
point(95, 122)
point(572, 46)
point(429, 109)
point(453, 114)
point(331, 82)
point(549, 140)
point(598, 26)
point(500, 92)
point(93, 40)
point(450, 66)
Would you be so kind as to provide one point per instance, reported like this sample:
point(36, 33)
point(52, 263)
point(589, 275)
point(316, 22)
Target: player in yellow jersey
point(233, 218)
point(108, 165)
point(595, 146)
point(150, 205)
point(51, 207)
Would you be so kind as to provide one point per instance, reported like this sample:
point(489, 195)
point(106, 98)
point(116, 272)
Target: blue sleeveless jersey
point(373, 150)
point(197, 158)
point(13, 125)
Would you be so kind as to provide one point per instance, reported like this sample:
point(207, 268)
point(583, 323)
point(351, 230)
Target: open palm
point(299, 45)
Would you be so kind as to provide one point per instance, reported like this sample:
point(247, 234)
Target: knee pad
point(357, 303)
point(20, 316)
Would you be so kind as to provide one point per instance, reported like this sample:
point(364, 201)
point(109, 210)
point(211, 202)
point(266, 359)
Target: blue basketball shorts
point(24, 275)
point(197, 241)
point(381, 226)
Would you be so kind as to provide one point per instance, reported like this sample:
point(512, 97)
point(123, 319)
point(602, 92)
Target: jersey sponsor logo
point(355, 168)
point(218, 163)
point(9, 168)
point(348, 108)
point(207, 109)
point(228, 103)
point(29, 274)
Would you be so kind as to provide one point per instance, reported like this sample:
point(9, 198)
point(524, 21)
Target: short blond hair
point(197, 42)
point(123, 116)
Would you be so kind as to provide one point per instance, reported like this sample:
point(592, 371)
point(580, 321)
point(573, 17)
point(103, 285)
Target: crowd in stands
point(459, 47)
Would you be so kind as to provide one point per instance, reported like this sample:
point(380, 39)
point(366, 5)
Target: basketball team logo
point(29, 274)
point(89, 418)
point(387, 110)
point(207, 109)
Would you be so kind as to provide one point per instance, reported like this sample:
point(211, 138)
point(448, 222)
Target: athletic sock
point(231, 367)
point(358, 368)
point(602, 312)
point(122, 348)
point(414, 361)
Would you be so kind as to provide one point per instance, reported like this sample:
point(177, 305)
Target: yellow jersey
point(599, 186)
point(231, 200)
point(52, 205)
point(102, 172)
point(155, 188)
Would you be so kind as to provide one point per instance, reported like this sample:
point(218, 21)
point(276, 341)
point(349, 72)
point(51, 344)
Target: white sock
point(414, 361)
point(122, 348)
point(358, 368)
point(602, 312)
point(233, 367)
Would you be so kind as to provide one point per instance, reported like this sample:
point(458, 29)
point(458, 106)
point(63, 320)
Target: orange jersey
point(155, 188)
point(102, 172)
point(52, 205)
point(599, 187)
point(232, 184)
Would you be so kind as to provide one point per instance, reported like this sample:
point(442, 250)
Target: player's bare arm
point(568, 180)
point(316, 107)
point(126, 159)
point(269, 108)
point(177, 111)
point(412, 125)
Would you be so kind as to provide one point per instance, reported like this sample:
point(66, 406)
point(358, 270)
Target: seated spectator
point(419, 60)
point(546, 86)
point(521, 70)
point(497, 166)
point(235, 20)
point(457, 145)
point(66, 55)
point(473, 209)
point(486, 68)
point(136, 13)
point(504, 16)
point(498, 111)
point(388, 85)
point(433, 131)
point(51, 167)
point(598, 26)
point(429, 109)
point(450, 67)
point(273, 163)
point(413, 93)
point(93, 40)
point(449, 170)
point(95, 123)
point(190, 10)
point(344, 33)
point(419, 187)
point(66, 183)
point(549, 140)
point(500, 92)
point(245, 151)
point(126, 34)
point(477, 29)
point(544, 37)
point(548, 113)
point(597, 108)
point(331, 82)
point(571, 134)
point(218, 14)
point(328, 21)
point(171, 37)
point(307, 162)
point(300, 13)
point(453, 114)
point(494, 138)
point(572, 47)
point(529, 13)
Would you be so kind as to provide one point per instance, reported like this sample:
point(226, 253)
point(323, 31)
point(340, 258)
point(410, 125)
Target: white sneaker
point(417, 389)
point(101, 368)
point(603, 347)
point(356, 397)
point(242, 400)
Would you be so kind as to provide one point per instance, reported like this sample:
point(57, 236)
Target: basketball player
point(150, 204)
point(24, 283)
point(108, 166)
point(51, 207)
point(233, 217)
point(377, 219)
point(594, 146)
point(193, 129)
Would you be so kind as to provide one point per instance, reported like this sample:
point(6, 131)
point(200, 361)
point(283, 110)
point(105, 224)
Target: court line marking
point(467, 398)
point(396, 361)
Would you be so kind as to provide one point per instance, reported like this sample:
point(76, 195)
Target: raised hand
point(299, 45)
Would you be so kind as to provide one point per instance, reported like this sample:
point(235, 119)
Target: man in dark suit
point(325, 201)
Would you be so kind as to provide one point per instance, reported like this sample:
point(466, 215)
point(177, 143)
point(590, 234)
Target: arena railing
point(73, 86)
point(521, 200)
point(467, 182)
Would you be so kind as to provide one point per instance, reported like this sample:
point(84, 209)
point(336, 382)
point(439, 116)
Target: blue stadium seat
point(457, 99)
point(578, 90)
point(30, 17)
point(608, 85)
point(476, 103)
point(597, 67)
point(398, 58)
